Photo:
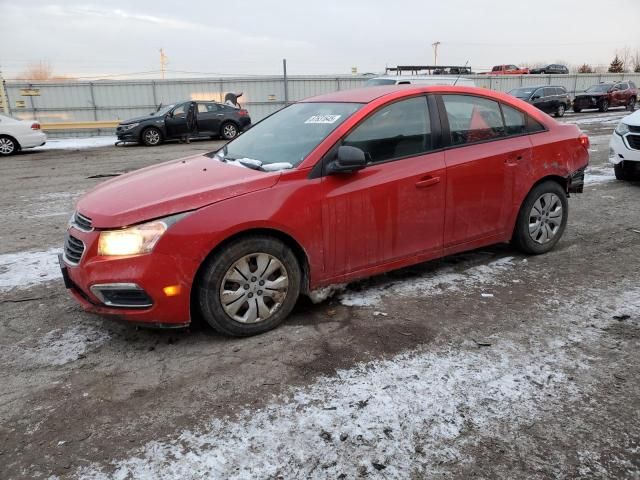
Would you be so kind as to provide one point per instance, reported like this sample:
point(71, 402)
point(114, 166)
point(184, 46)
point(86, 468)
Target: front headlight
point(129, 126)
point(134, 240)
point(622, 129)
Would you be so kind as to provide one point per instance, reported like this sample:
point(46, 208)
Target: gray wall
point(76, 101)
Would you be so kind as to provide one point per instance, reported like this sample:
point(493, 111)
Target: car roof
point(369, 94)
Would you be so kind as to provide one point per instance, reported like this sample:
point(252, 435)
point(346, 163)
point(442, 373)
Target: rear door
point(482, 161)
point(209, 118)
point(393, 208)
point(551, 102)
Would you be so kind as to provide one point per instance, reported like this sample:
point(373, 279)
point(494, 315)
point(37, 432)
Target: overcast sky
point(91, 38)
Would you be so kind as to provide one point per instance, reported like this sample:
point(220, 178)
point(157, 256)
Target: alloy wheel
point(254, 288)
point(545, 218)
point(560, 111)
point(152, 137)
point(229, 131)
point(7, 146)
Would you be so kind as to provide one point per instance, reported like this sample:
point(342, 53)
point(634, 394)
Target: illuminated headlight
point(129, 126)
point(134, 240)
point(622, 128)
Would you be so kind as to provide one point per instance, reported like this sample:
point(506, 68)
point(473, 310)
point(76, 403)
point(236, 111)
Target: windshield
point(164, 110)
point(285, 138)
point(524, 92)
point(373, 82)
point(603, 87)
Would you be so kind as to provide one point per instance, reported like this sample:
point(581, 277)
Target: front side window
point(401, 129)
point(180, 110)
point(473, 119)
point(538, 93)
point(288, 136)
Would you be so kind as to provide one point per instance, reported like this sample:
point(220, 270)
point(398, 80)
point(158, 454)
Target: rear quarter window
point(473, 119)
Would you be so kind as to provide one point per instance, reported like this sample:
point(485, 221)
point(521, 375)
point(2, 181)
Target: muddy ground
point(512, 366)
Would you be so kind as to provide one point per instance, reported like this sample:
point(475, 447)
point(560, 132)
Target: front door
point(176, 121)
point(481, 167)
point(393, 208)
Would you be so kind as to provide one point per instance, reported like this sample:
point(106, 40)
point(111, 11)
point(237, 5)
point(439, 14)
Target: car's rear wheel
point(604, 105)
point(631, 106)
point(560, 110)
point(229, 131)
point(8, 146)
point(151, 137)
point(249, 287)
point(542, 218)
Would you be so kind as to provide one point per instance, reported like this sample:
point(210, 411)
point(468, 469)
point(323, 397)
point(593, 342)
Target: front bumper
point(620, 148)
point(130, 135)
point(586, 102)
point(90, 279)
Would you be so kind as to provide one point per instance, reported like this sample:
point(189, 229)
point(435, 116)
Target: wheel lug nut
point(261, 283)
point(259, 292)
point(246, 287)
point(250, 295)
point(253, 279)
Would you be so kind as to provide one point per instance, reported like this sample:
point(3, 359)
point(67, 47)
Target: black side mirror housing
point(348, 160)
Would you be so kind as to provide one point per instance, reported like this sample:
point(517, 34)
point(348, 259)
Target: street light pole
point(435, 52)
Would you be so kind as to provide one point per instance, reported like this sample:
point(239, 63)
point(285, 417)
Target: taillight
point(35, 126)
point(584, 141)
point(243, 113)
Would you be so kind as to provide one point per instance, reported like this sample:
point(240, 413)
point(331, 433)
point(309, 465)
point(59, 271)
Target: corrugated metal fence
point(81, 101)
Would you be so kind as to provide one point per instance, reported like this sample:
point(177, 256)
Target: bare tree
point(636, 61)
point(37, 71)
point(624, 54)
point(585, 68)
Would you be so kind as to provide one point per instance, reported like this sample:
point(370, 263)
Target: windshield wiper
point(253, 165)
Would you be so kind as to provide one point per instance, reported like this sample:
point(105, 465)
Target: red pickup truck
point(507, 70)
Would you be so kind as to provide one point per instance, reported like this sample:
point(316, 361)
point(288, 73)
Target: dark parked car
point(553, 68)
point(549, 99)
point(605, 95)
point(214, 120)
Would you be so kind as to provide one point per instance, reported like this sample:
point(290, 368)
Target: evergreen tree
point(617, 66)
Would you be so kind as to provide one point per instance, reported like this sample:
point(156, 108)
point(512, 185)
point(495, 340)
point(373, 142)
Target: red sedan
point(325, 191)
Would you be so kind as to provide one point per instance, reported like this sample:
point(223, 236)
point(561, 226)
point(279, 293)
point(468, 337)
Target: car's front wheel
point(604, 105)
point(151, 137)
point(631, 106)
point(249, 287)
point(560, 110)
point(229, 131)
point(623, 172)
point(542, 218)
point(8, 146)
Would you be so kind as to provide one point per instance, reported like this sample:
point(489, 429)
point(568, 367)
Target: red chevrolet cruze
point(325, 191)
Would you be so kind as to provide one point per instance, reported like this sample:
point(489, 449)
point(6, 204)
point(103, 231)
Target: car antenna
point(159, 107)
point(460, 74)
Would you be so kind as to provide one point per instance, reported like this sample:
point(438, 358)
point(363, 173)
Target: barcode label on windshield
point(323, 119)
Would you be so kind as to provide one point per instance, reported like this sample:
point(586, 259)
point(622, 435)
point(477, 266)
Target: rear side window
point(401, 129)
point(632, 85)
point(515, 121)
point(561, 90)
point(473, 119)
point(549, 91)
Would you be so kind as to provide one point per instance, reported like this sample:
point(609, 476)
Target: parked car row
point(551, 69)
point(555, 99)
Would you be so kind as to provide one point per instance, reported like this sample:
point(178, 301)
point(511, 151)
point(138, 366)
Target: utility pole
point(435, 52)
point(286, 82)
point(163, 63)
point(4, 101)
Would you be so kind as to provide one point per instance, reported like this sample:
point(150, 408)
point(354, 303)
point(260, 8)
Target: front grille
point(634, 128)
point(83, 223)
point(634, 141)
point(73, 249)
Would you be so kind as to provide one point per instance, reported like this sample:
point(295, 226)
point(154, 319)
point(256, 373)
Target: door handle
point(427, 182)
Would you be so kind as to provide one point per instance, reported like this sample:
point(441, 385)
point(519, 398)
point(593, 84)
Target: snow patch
point(59, 347)
point(321, 294)
point(78, 143)
point(24, 269)
point(596, 175)
point(444, 280)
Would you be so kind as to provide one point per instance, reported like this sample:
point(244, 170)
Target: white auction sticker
point(323, 119)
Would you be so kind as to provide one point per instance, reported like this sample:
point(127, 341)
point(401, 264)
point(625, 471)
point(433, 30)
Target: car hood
point(151, 116)
point(169, 188)
point(593, 94)
point(633, 119)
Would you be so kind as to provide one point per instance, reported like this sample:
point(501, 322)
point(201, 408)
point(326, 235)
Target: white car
point(16, 135)
point(624, 147)
point(419, 80)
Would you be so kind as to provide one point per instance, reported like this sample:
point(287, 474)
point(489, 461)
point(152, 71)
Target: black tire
point(560, 110)
point(604, 105)
point(631, 106)
point(229, 130)
point(622, 173)
point(8, 146)
point(151, 137)
point(522, 239)
point(210, 283)
point(577, 109)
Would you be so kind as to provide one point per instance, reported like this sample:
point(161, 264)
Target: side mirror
point(348, 160)
point(535, 97)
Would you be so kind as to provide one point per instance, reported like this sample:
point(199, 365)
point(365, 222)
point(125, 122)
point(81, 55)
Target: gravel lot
point(487, 364)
